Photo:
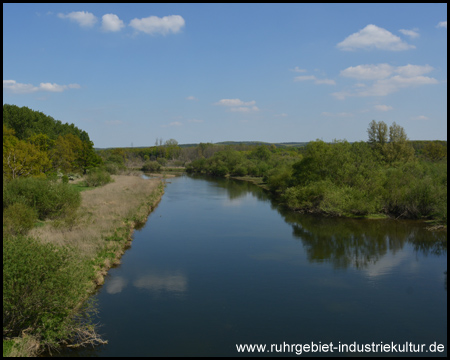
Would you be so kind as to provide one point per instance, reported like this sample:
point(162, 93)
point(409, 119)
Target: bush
point(161, 161)
point(39, 289)
point(151, 166)
point(114, 168)
point(98, 177)
point(18, 219)
point(50, 199)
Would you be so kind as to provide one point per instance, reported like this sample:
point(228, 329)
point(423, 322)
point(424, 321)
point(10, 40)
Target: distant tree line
point(384, 175)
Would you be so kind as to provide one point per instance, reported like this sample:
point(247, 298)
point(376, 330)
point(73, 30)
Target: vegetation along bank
point(60, 237)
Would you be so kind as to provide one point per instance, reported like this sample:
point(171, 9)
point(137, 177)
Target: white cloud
point(387, 86)
point(111, 22)
point(304, 78)
point(442, 24)
point(83, 18)
point(368, 72)
point(411, 33)
point(156, 25)
point(244, 109)
point(383, 71)
point(371, 37)
point(18, 88)
point(413, 70)
point(383, 107)
point(237, 105)
point(191, 98)
point(420, 117)
point(385, 79)
point(281, 115)
point(316, 80)
point(195, 121)
point(175, 123)
point(234, 102)
point(297, 69)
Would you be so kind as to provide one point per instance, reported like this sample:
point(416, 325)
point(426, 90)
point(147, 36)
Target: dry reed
point(103, 210)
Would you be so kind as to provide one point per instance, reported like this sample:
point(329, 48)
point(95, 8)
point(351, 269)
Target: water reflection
point(360, 243)
point(116, 285)
point(357, 243)
point(171, 282)
point(162, 282)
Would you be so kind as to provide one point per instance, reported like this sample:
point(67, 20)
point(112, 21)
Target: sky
point(130, 74)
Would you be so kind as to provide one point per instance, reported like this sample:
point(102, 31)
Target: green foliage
point(114, 168)
point(98, 177)
point(417, 190)
point(18, 219)
point(39, 289)
point(21, 158)
point(151, 166)
point(435, 151)
point(26, 123)
point(50, 199)
point(162, 161)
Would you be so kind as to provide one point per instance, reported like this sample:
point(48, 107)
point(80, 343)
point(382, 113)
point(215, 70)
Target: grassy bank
point(52, 271)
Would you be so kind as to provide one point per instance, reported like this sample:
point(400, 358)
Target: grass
point(104, 211)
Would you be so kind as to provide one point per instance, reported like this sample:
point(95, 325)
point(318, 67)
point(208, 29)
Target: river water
point(219, 264)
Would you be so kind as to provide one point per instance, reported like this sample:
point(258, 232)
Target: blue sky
point(131, 73)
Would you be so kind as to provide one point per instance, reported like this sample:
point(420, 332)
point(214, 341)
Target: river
point(219, 263)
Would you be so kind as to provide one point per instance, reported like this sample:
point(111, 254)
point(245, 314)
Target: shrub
point(18, 219)
point(98, 177)
point(151, 166)
point(161, 161)
point(114, 168)
point(39, 289)
point(50, 199)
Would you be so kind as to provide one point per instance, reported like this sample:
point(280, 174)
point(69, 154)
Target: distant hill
point(285, 144)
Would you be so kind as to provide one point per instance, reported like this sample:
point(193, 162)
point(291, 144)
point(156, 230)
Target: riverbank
point(97, 236)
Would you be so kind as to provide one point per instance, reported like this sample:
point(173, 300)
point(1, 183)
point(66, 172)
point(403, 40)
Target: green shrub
point(151, 166)
point(50, 199)
point(98, 177)
point(161, 161)
point(19, 218)
point(39, 289)
point(114, 168)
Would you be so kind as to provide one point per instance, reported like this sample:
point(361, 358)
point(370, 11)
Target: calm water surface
point(219, 264)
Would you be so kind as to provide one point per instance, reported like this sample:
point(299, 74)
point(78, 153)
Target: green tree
point(65, 152)
point(87, 157)
point(378, 133)
point(435, 151)
point(399, 147)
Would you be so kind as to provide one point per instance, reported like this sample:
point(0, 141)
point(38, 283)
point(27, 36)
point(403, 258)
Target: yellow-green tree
point(21, 158)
